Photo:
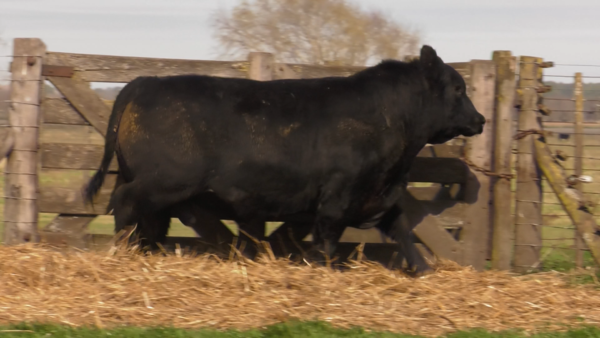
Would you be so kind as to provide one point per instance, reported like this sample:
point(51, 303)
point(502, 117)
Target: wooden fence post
point(261, 66)
point(578, 91)
point(476, 231)
point(505, 96)
point(21, 176)
point(528, 211)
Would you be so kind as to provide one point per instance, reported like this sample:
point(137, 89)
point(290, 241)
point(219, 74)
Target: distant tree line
point(313, 32)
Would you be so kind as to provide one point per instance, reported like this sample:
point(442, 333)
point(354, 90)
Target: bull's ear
point(431, 63)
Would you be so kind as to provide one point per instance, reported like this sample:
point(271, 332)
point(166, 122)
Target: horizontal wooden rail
point(108, 68)
point(69, 200)
point(88, 157)
point(122, 69)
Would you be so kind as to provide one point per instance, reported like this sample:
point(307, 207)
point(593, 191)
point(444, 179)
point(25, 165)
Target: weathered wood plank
point(206, 225)
point(478, 219)
point(438, 170)
point(70, 134)
point(528, 235)
point(66, 241)
point(85, 100)
point(316, 71)
point(362, 235)
point(424, 219)
point(120, 69)
point(62, 71)
point(261, 66)
point(57, 110)
point(442, 150)
point(69, 224)
point(436, 192)
point(60, 111)
point(60, 151)
point(449, 214)
point(505, 91)
point(73, 156)
point(21, 178)
point(438, 240)
point(285, 71)
point(69, 200)
point(72, 228)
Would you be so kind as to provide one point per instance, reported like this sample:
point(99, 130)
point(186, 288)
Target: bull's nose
point(482, 119)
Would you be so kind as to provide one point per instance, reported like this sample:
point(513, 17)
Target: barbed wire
point(551, 132)
point(585, 170)
point(20, 56)
point(574, 65)
point(572, 100)
point(563, 216)
point(562, 145)
point(571, 76)
point(571, 111)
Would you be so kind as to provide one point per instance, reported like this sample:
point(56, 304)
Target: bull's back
point(206, 115)
point(282, 138)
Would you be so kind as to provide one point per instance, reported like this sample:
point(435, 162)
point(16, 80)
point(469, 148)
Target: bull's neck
point(415, 129)
point(412, 145)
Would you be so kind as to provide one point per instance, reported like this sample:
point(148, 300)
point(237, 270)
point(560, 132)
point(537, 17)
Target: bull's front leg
point(396, 225)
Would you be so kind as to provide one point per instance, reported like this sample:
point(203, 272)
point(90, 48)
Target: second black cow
point(333, 152)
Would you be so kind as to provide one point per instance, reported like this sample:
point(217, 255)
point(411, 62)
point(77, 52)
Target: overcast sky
point(566, 32)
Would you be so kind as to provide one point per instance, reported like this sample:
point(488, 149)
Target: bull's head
point(451, 113)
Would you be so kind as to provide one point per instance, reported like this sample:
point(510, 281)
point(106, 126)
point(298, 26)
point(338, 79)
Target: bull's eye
point(458, 89)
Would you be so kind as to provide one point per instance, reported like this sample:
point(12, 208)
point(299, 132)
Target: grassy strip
point(290, 329)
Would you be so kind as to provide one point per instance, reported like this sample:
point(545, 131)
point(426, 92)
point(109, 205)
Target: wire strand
point(572, 100)
point(572, 111)
point(574, 65)
point(571, 76)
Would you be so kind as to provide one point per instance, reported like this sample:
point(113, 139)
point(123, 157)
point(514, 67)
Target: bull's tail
point(124, 97)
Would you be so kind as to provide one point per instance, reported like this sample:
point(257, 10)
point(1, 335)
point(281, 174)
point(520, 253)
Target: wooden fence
point(456, 186)
point(575, 141)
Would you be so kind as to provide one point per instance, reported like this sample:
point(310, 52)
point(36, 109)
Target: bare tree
point(312, 31)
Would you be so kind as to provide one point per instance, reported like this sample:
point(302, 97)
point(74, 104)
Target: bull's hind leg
point(146, 200)
point(123, 202)
point(152, 228)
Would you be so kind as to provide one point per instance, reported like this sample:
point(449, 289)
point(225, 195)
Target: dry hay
point(107, 290)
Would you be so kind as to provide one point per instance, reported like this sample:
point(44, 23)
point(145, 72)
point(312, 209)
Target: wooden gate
point(450, 209)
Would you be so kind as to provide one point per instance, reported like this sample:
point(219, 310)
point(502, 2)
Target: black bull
point(323, 153)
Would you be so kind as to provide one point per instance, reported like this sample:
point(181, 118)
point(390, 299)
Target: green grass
point(282, 330)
